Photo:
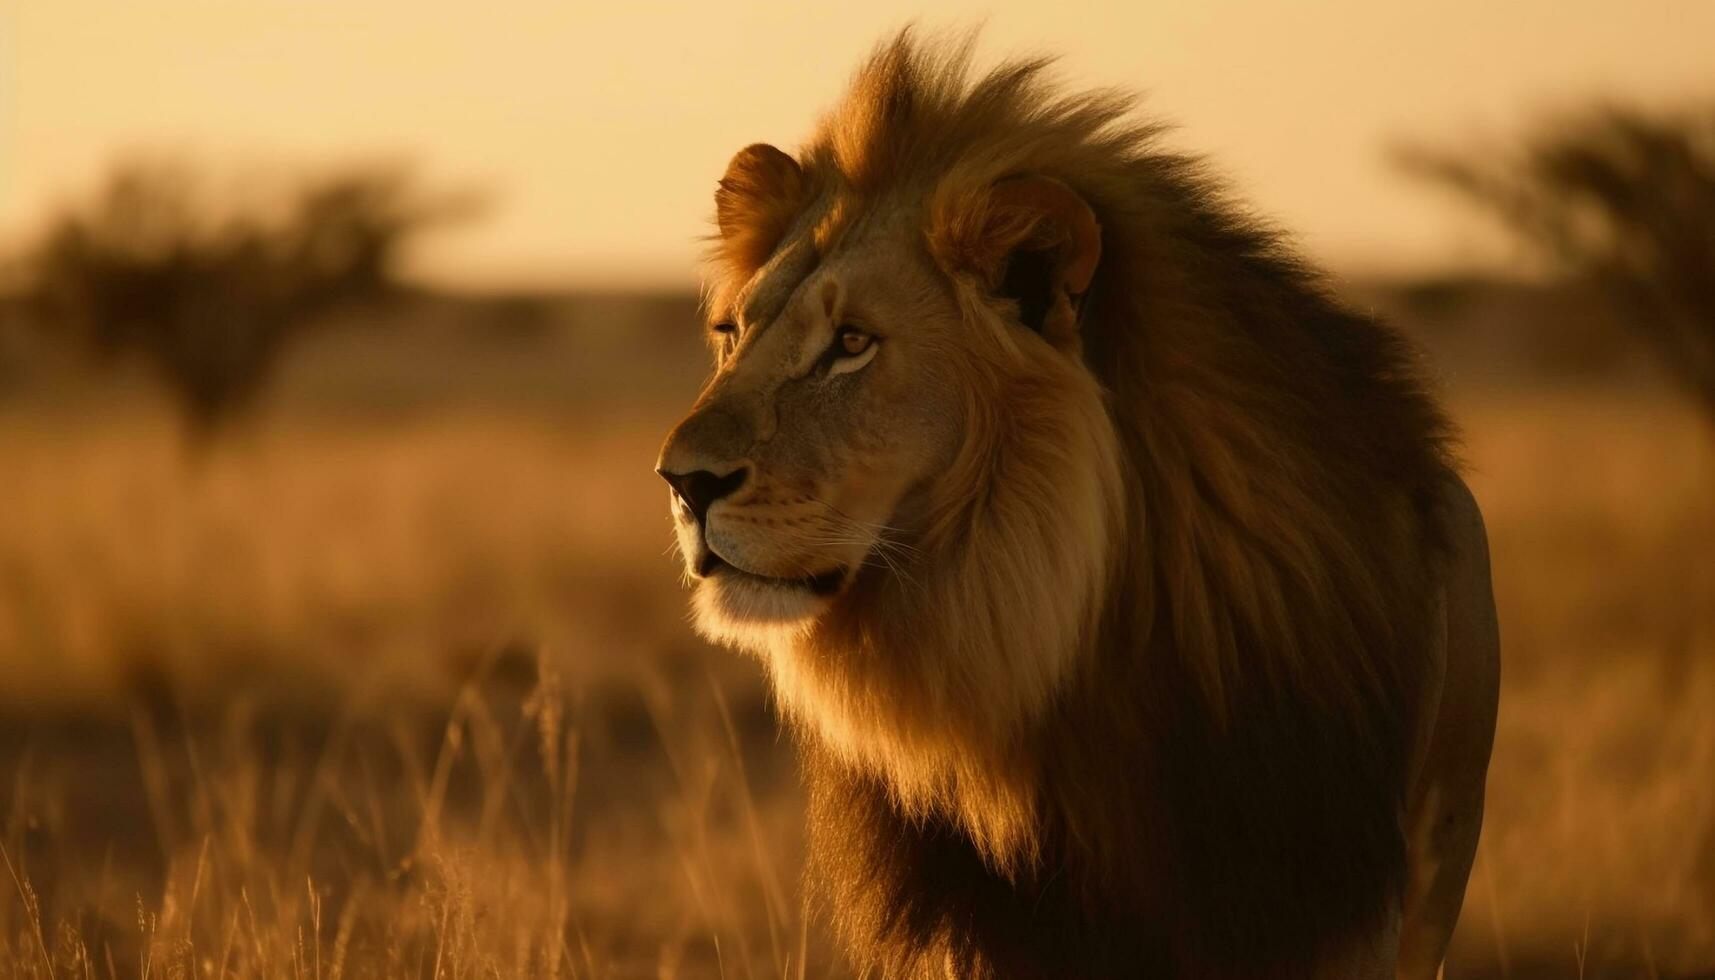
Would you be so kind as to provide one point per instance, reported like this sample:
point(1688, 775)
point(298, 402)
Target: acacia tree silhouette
point(210, 297)
point(1621, 196)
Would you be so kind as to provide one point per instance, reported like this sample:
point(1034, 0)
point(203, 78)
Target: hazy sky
point(601, 127)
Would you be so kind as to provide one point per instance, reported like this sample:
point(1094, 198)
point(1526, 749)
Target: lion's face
point(836, 400)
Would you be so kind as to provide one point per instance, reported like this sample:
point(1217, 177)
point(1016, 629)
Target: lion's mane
point(1144, 706)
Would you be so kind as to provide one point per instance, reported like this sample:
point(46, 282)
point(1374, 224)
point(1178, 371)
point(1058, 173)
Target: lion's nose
point(700, 489)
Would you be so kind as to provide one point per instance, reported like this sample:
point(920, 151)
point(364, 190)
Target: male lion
point(1117, 578)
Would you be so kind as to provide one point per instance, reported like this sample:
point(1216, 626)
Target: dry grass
point(368, 847)
point(417, 699)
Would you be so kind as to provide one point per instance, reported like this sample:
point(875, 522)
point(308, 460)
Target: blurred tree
point(1624, 197)
point(210, 292)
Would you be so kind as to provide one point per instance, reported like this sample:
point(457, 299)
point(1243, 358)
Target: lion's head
point(873, 376)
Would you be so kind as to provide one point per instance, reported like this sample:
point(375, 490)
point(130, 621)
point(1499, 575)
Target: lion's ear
point(1040, 244)
point(761, 193)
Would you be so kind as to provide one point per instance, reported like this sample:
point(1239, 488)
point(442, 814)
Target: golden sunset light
point(1185, 489)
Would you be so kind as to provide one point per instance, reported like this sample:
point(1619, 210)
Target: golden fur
point(1137, 628)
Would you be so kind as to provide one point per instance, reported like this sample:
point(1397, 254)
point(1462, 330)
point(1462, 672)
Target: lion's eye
point(853, 341)
point(852, 349)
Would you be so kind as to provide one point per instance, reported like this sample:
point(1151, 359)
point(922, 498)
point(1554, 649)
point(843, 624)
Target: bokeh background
point(339, 634)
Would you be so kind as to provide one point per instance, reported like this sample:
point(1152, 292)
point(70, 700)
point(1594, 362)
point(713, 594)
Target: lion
point(1118, 582)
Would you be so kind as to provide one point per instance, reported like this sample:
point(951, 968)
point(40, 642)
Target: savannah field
point(396, 678)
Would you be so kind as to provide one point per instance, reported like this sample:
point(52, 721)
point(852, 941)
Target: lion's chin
point(747, 611)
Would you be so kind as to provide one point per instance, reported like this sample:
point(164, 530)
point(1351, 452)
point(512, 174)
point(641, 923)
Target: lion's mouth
point(823, 584)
